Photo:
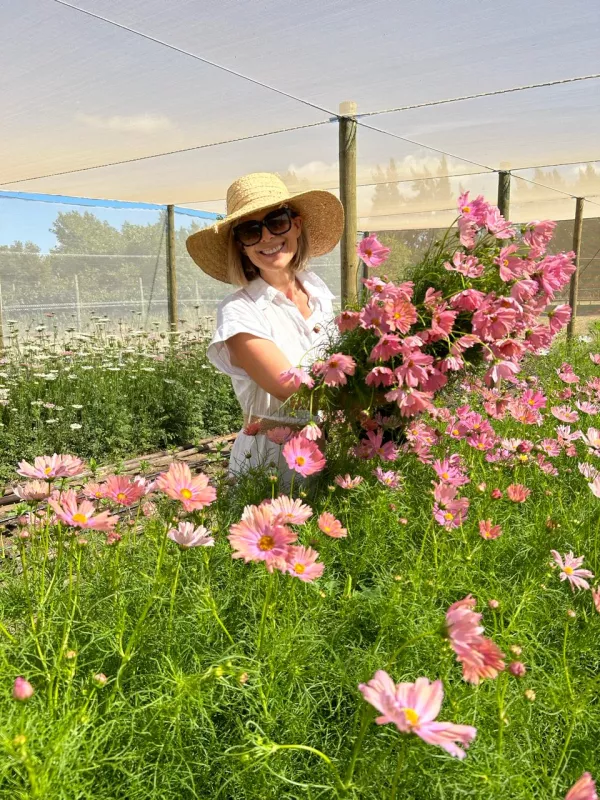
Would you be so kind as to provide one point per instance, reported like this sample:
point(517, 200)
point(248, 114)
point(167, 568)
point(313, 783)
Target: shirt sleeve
point(235, 315)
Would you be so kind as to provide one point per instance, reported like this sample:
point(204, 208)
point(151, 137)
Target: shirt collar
point(262, 292)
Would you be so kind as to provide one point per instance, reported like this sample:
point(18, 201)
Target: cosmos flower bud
point(22, 689)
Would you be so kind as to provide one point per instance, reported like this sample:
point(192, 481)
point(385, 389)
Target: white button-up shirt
point(263, 311)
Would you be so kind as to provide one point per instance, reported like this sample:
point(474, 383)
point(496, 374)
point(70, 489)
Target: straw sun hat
point(321, 212)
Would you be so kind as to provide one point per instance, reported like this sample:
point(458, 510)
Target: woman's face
point(273, 253)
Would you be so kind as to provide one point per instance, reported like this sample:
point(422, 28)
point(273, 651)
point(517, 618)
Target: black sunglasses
point(276, 222)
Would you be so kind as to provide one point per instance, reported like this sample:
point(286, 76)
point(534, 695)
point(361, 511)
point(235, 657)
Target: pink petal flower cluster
point(263, 535)
point(348, 482)
point(413, 708)
point(331, 526)
point(303, 456)
point(186, 535)
point(81, 515)
point(570, 570)
point(33, 491)
point(192, 491)
point(480, 657)
point(372, 252)
point(335, 369)
point(48, 468)
point(124, 490)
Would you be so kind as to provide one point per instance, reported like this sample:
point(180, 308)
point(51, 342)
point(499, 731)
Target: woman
point(279, 317)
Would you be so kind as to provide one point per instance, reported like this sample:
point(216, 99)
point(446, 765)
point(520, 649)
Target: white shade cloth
point(264, 311)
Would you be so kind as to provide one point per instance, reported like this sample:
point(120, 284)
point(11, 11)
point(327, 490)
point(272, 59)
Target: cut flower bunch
point(477, 296)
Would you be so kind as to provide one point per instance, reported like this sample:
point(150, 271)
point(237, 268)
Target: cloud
point(139, 123)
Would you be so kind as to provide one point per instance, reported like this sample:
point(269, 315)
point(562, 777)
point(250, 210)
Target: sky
point(30, 220)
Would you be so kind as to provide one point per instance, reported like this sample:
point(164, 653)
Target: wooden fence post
point(171, 272)
point(504, 193)
point(347, 164)
point(142, 302)
point(574, 285)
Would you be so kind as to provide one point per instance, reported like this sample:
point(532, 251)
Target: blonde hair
point(240, 270)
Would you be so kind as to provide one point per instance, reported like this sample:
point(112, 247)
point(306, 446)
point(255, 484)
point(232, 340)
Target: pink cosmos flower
point(489, 531)
point(48, 468)
point(81, 516)
point(303, 456)
point(453, 514)
point(410, 401)
point(32, 491)
point(567, 375)
point(347, 482)
point(595, 357)
point(123, 490)
point(564, 414)
point(259, 536)
point(93, 490)
point(517, 668)
point(302, 564)
point(22, 689)
point(517, 492)
point(331, 526)
point(400, 315)
point(468, 266)
point(290, 512)
point(413, 708)
point(467, 300)
point(449, 473)
point(335, 369)
point(537, 235)
point(480, 657)
point(559, 317)
point(294, 377)
point(594, 485)
point(591, 439)
point(373, 446)
point(312, 432)
point(380, 376)
point(279, 435)
point(193, 492)
point(388, 478)
point(584, 789)
point(348, 320)
point(387, 347)
point(570, 570)
point(373, 316)
point(372, 252)
point(534, 399)
point(588, 471)
point(587, 408)
point(186, 535)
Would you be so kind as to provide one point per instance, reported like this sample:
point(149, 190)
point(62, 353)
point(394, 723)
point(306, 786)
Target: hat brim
point(321, 212)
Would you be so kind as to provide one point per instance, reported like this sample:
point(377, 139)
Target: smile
point(273, 250)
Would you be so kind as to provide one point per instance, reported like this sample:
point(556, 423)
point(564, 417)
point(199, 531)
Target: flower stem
point(399, 765)
point(565, 663)
point(263, 617)
point(365, 721)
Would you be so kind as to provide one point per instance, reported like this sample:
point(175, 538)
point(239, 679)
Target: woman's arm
point(262, 360)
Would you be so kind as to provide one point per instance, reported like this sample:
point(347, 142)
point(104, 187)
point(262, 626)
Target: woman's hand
point(263, 361)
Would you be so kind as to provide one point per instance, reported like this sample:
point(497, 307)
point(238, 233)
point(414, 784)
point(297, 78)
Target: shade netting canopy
point(170, 102)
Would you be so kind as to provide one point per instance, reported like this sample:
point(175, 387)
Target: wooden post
point(574, 286)
point(171, 273)
point(504, 193)
point(78, 303)
point(347, 164)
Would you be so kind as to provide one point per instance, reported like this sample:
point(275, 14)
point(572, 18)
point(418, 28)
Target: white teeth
point(272, 251)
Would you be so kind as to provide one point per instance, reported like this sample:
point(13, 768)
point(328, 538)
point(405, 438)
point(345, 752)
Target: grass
point(194, 708)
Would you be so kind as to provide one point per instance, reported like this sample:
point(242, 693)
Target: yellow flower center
point(530, 402)
point(121, 496)
point(448, 516)
point(299, 568)
point(455, 432)
point(411, 716)
point(266, 543)
point(505, 262)
point(568, 570)
point(524, 457)
point(300, 460)
point(47, 470)
point(466, 209)
point(333, 363)
point(368, 253)
point(326, 529)
point(79, 518)
point(185, 493)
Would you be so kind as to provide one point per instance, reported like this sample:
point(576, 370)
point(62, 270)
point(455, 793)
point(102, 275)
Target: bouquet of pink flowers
point(477, 297)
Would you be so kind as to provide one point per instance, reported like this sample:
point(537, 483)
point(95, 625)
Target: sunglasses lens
point(278, 221)
point(248, 233)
